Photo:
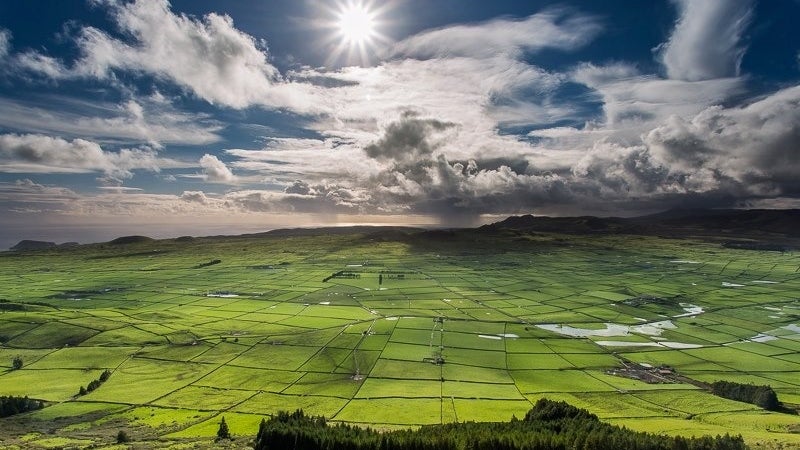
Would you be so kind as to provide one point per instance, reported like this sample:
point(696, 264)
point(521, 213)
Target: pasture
point(412, 331)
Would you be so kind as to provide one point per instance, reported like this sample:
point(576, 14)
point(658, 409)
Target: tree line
point(549, 425)
point(763, 396)
point(94, 384)
point(17, 405)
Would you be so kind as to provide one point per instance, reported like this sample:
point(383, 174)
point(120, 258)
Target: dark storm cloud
point(408, 139)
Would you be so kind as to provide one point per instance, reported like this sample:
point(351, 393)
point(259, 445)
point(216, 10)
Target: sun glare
point(356, 24)
point(356, 30)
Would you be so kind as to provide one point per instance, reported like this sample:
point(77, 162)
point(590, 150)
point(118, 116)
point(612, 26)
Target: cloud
point(320, 199)
point(26, 191)
point(215, 171)
point(757, 146)
point(477, 95)
point(283, 160)
point(151, 120)
point(195, 196)
point(210, 57)
point(120, 189)
point(719, 157)
point(36, 62)
point(5, 42)
point(631, 97)
point(706, 42)
point(556, 28)
point(35, 153)
point(408, 139)
point(298, 187)
point(716, 157)
point(432, 129)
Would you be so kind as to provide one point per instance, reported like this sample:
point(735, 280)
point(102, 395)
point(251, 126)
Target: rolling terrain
point(631, 319)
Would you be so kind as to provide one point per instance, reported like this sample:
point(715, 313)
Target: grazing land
point(395, 328)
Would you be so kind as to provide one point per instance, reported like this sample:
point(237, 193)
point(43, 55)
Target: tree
point(223, 432)
point(122, 437)
point(766, 398)
point(16, 364)
point(17, 405)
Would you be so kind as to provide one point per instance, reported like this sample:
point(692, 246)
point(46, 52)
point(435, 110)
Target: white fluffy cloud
point(215, 171)
point(707, 40)
point(210, 57)
point(35, 153)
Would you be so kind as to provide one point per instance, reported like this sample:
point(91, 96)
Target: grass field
point(347, 326)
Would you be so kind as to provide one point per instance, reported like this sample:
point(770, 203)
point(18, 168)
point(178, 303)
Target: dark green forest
point(17, 405)
point(763, 396)
point(549, 425)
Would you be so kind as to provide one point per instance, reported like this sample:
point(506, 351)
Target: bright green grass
point(124, 337)
point(518, 361)
point(51, 335)
point(312, 404)
point(489, 410)
point(455, 372)
point(203, 398)
point(694, 402)
point(75, 408)
point(406, 352)
point(29, 356)
point(325, 384)
point(140, 381)
point(463, 389)
point(51, 384)
point(229, 377)
point(287, 340)
point(84, 357)
point(379, 388)
point(478, 358)
point(164, 419)
point(400, 411)
point(267, 356)
point(386, 368)
point(532, 381)
point(241, 425)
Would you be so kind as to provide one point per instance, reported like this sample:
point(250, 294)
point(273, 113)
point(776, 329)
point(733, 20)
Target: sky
point(203, 117)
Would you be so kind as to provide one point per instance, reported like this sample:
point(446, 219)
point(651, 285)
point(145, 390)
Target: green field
point(512, 319)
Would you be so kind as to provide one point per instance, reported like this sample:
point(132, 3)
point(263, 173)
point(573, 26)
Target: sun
point(356, 30)
point(356, 24)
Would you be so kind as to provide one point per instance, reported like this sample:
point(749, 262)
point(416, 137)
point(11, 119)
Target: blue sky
point(197, 117)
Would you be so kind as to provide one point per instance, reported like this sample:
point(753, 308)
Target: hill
point(779, 228)
point(27, 244)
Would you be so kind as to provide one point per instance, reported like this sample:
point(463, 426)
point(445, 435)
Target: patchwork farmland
point(394, 329)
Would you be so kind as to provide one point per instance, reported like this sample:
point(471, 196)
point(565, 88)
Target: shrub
point(223, 432)
point(122, 437)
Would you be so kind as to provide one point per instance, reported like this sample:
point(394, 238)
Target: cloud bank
point(452, 123)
